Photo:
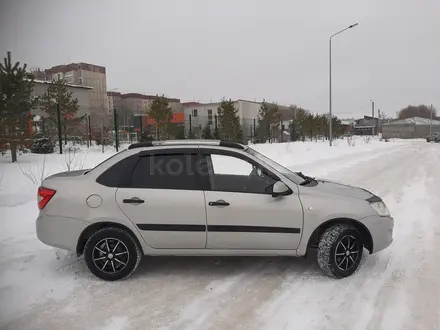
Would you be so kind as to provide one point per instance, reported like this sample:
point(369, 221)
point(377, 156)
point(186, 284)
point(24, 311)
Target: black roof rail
point(231, 144)
point(141, 145)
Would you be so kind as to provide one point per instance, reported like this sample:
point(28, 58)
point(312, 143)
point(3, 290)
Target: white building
point(203, 114)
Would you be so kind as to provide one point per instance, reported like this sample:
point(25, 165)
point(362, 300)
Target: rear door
point(164, 199)
point(241, 212)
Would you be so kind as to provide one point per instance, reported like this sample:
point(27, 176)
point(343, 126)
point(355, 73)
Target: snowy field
point(398, 288)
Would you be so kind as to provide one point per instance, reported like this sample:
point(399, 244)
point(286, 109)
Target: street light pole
point(430, 122)
point(330, 82)
point(372, 118)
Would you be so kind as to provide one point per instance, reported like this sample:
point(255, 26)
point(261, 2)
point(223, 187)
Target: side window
point(237, 175)
point(118, 174)
point(169, 171)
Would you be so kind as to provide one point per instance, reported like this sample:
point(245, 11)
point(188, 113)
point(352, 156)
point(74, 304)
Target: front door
point(166, 202)
point(241, 212)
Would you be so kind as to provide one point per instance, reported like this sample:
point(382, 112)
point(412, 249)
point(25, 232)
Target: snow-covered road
point(398, 288)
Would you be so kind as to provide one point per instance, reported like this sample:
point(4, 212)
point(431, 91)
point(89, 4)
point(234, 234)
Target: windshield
point(281, 169)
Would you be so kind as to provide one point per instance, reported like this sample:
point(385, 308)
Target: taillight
point(44, 196)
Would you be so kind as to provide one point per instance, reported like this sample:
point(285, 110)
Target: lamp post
point(430, 122)
point(372, 118)
point(330, 80)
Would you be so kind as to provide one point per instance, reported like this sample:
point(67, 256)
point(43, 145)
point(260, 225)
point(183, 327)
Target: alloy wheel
point(110, 255)
point(347, 253)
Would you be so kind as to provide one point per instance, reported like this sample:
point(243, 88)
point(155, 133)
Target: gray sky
point(250, 49)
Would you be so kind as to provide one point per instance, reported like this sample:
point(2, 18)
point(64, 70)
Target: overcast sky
point(250, 49)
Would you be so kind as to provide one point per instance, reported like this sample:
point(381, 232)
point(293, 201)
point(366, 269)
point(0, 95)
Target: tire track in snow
point(324, 304)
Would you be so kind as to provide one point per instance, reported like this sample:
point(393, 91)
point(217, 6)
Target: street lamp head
point(353, 25)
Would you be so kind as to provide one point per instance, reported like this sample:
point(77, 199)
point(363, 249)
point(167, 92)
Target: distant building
point(82, 93)
point(132, 104)
point(114, 102)
point(84, 74)
point(410, 128)
point(203, 114)
point(365, 125)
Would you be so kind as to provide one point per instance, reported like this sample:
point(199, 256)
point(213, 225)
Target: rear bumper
point(60, 232)
point(381, 230)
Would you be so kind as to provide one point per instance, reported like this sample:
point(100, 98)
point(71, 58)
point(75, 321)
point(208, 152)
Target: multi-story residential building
point(114, 102)
point(84, 74)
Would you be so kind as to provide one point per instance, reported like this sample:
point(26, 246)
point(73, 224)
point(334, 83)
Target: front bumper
point(60, 232)
point(381, 230)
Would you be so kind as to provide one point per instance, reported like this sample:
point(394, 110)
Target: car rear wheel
point(340, 250)
point(112, 254)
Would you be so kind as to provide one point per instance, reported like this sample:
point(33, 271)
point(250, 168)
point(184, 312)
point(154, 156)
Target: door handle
point(133, 200)
point(220, 202)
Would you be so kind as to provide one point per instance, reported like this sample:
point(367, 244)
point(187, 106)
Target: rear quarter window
point(119, 174)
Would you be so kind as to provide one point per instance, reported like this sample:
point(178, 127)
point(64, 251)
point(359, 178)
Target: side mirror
point(280, 189)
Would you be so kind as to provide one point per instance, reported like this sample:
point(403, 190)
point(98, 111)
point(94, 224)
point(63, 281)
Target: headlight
point(380, 208)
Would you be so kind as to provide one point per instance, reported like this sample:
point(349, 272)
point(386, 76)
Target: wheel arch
point(94, 227)
point(367, 239)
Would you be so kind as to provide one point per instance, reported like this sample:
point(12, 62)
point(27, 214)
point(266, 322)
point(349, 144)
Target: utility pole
point(430, 123)
point(378, 122)
point(60, 135)
point(115, 117)
point(372, 116)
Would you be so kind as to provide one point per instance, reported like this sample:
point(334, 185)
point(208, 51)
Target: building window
point(195, 113)
point(209, 117)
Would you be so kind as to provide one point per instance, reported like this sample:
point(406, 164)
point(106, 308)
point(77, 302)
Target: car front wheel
point(340, 250)
point(112, 254)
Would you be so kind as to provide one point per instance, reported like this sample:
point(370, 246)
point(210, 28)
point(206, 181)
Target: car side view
point(433, 137)
point(206, 197)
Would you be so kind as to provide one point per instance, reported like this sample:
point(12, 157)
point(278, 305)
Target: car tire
point(340, 250)
point(112, 254)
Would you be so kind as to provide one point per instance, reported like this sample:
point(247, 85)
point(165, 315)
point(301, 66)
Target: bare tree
point(38, 175)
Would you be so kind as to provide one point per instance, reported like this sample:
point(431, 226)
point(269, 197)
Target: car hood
point(337, 188)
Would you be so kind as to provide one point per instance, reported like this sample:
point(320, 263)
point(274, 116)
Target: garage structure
point(410, 128)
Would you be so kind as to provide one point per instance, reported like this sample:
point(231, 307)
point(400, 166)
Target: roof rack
point(220, 143)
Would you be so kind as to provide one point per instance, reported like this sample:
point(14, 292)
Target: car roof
point(196, 143)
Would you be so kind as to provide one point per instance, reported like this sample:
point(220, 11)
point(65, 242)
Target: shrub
point(42, 145)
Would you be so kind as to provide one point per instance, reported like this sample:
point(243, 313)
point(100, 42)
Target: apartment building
point(85, 74)
point(114, 102)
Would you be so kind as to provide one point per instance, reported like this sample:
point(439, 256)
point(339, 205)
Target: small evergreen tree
point(206, 133)
point(268, 119)
point(58, 94)
point(229, 122)
point(16, 102)
point(162, 114)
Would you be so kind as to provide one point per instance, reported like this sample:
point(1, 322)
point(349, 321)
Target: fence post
point(190, 128)
point(90, 130)
point(140, 129)
point(281, 132)
point(115, 116)
point(60, 134)
point(87, 131)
